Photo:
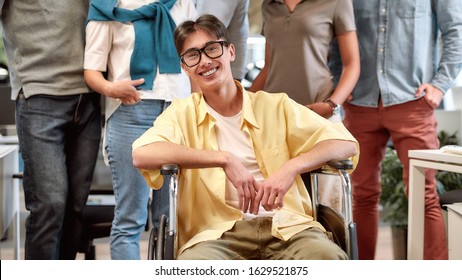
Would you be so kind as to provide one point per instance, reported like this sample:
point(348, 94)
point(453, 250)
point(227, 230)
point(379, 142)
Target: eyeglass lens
point(212, 50)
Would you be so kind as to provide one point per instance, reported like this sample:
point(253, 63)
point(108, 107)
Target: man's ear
point(232, 52)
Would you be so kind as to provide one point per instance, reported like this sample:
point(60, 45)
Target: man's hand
point(321, 108)
point(271, 193)
point(125, 91)
point(243, 181)
point(432, 94)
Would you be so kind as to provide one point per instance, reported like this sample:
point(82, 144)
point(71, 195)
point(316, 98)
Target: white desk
point(419, 161)
point(8, 140)
point(9, 193)
point(454, 231)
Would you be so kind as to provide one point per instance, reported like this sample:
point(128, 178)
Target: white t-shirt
point(109, 46)
point(232, 139)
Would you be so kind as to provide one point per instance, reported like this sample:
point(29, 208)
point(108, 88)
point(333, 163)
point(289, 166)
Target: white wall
point(450, 121)
point(453, 98)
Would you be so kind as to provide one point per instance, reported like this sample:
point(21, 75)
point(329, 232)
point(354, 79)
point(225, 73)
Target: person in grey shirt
point(402, 81)
point(233, 13)
point(58, 119)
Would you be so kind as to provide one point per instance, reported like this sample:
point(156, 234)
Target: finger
point(124, 100)
point(134, 95)
point(420, 90)
point(433, 99)
point(130, 101)
point(264, 201)
point(279, 201)
point(137, 82)
point(245, 206)
point(271, 200)
point(253, 194)
point(257, 200)
point(136, 99)
point(240, 197)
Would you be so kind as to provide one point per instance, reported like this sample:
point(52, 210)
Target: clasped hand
point(269, 194)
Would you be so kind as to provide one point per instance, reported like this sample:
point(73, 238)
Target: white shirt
point(232, 139)
point(109, 46)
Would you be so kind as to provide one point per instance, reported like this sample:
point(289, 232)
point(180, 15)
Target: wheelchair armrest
point(169, 169)
point(345, 164)
point(333, 166)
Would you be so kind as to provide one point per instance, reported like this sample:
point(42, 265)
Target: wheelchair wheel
point(152, 244)
point(160, 246)
point(334, 223)
point(156, 245)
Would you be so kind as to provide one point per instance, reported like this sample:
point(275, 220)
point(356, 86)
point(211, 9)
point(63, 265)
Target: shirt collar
point(247, 110)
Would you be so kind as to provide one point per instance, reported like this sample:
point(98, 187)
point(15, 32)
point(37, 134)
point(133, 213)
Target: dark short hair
point(208, 23)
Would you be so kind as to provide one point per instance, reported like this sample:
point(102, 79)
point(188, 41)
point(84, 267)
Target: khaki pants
point(252, 239)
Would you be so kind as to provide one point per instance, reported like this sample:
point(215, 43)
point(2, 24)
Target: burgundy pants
point(411, 125)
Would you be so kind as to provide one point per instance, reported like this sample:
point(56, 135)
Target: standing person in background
point(298, 37)
point(233, 13)
point(144, 76)
point(400, 85)
point(57, 118)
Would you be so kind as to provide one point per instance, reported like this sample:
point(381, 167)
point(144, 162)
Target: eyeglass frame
point(202, 51)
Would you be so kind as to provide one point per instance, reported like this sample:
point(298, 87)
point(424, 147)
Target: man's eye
point(191, 55)
point(211, 49)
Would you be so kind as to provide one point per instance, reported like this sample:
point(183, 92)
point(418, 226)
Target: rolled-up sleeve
point(98, 45)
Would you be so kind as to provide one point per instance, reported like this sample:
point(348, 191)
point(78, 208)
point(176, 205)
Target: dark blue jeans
point(59, 141)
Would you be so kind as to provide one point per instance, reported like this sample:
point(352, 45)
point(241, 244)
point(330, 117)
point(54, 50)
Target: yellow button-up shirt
point(279, 129)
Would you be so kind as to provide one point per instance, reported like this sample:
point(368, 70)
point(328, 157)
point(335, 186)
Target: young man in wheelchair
point(240, 195)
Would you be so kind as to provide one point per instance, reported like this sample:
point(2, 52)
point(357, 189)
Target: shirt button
point(276, 152)
point(382, 29)
point(381, 50)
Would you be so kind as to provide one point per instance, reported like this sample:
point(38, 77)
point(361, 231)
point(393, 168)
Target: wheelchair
point(162, 239)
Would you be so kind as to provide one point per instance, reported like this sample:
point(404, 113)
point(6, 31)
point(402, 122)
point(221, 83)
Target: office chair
point(162, 240)
point(97, 221)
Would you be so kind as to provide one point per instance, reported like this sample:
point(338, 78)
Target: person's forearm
point(349, 53)
point(154, 155)
point(321, 153)
point(259, 82)
point(96, 81)
point(346, 84)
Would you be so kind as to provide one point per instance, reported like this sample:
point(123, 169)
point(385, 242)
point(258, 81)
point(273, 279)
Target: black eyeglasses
point(212, 50)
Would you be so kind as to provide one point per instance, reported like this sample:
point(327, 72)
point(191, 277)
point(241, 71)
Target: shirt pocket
point(412, 9)
point(274, 157)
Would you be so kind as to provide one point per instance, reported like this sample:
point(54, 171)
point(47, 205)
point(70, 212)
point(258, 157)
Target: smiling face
point(209, 73)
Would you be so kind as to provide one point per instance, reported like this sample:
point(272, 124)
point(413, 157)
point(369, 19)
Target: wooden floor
point(384, 247)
